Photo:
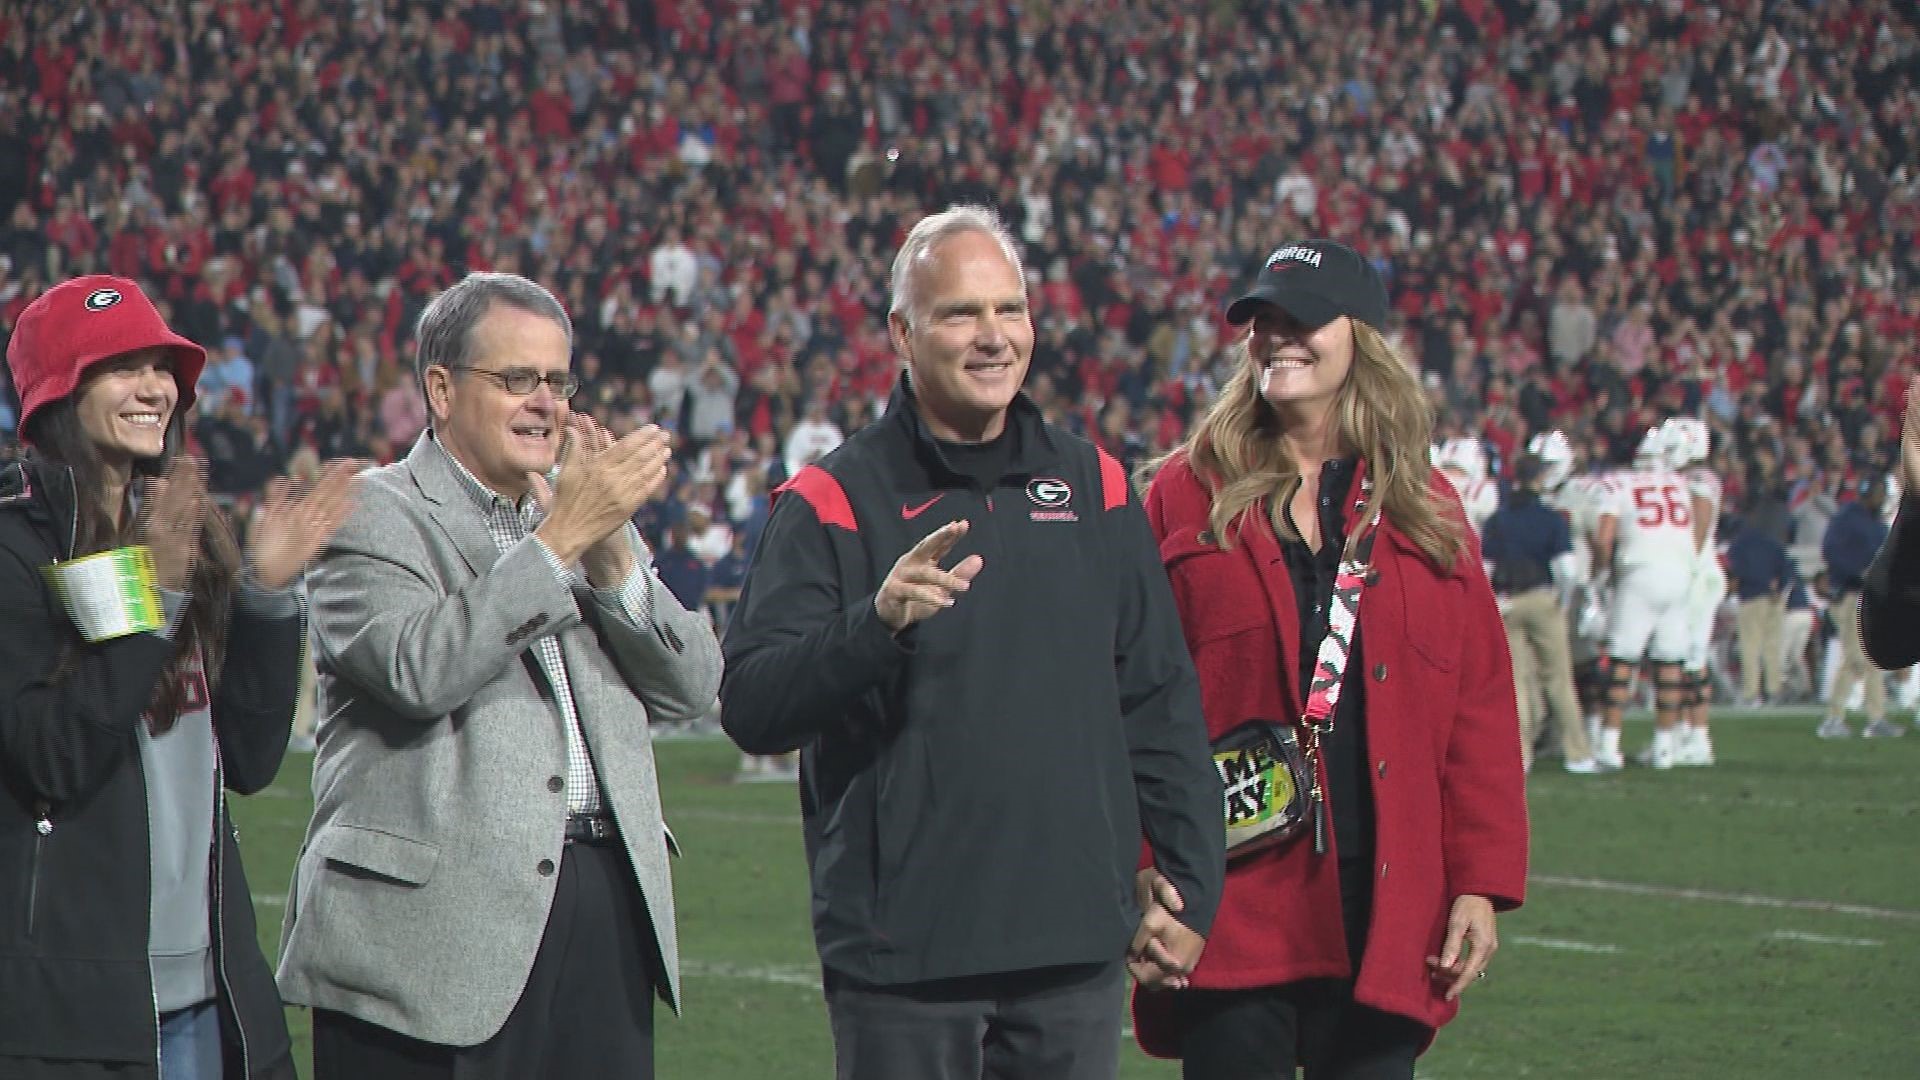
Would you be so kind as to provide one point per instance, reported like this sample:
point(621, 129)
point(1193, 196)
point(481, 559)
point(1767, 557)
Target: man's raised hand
point(917, 587)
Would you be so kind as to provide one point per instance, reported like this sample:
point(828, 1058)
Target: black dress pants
point(1055, 1023)
point(586, 1011)
point(1267, 1033)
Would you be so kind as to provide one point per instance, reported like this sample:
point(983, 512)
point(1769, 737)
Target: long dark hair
point(58, 438)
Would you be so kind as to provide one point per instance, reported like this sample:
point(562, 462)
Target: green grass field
point(1757, 919)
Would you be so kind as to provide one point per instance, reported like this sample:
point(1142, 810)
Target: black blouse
point(1349, 794)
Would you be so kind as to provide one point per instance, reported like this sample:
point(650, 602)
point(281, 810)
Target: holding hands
point(1164, 950)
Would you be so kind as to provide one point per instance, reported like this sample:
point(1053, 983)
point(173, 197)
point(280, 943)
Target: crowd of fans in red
point(1591, 213)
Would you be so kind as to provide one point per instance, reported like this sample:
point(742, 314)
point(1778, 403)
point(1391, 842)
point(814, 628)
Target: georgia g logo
point(102, 299)
point(1048, 492)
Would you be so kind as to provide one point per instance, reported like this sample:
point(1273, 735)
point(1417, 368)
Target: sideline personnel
point(1530, 548)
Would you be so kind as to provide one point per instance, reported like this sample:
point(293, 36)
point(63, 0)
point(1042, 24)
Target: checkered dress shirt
point(508, 525)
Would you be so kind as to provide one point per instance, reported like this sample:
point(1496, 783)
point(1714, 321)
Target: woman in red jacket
point(1344, 946)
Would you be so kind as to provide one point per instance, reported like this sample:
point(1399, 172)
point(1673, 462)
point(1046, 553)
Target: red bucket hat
point(79, 323)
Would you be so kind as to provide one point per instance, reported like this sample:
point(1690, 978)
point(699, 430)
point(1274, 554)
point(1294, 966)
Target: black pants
point(1266, 1034)
point(1269, 1032)
point(587, 1009)
point(1058, 1023)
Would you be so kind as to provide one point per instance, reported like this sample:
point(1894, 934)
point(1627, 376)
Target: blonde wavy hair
point(1383, 415)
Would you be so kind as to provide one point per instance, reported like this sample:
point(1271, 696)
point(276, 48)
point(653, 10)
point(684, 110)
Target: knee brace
point(1618, 679)
point(1588, 680)
point(1670, 682)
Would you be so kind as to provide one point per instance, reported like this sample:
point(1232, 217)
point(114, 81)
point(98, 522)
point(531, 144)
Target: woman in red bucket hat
point(145, 666)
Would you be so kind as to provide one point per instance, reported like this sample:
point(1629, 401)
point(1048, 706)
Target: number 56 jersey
point(1653, 512)
point(1653, 565)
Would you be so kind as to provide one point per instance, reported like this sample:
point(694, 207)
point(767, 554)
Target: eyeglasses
point(524, 381)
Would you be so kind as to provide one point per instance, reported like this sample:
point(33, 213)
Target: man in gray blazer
point(484, 889)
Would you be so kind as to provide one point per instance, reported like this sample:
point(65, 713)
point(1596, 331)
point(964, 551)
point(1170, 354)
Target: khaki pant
point(1795, 634)
point(1763, 656)
point(1854, 665)
point(1543, 668)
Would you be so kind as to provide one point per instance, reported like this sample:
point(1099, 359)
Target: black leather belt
point(590, 829)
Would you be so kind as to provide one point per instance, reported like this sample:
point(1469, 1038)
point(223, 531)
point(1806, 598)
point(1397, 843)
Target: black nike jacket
point(974, 790)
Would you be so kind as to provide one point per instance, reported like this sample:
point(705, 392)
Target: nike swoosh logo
point(908, 513)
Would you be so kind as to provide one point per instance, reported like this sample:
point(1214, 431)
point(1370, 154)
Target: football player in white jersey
point(1574, 495)
point(1687, 444)
point(1464, 461)
point(1644, 540)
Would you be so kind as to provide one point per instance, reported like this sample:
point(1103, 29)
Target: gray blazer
point(422, 888)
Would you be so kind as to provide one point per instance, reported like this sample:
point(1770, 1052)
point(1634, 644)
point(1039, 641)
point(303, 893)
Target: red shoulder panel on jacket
point(1113, 480)
point(822, 492)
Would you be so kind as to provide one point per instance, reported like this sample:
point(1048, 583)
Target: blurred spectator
point(403, 412)
point(812, 437)
point(710, 399)
point(228, 372)
point(673, 270)
point(708, 537)
point(680, 570)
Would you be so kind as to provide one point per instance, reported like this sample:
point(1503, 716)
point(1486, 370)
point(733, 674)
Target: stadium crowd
point(1591, 214)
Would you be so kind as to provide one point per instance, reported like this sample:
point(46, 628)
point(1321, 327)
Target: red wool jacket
point(1442, 738)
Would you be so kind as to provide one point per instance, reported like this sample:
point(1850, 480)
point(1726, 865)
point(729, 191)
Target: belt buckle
point(588, 828)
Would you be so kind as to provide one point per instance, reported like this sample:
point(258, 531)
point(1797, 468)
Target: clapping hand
point(602, 482)
point(295, 522)
point(172, 511)
point(916, 587)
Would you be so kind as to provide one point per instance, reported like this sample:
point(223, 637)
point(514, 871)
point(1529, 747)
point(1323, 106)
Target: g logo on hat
point(85, 321)
point(1047, 491)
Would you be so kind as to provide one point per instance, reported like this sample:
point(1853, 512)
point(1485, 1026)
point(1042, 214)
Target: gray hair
point(444, 334)
point(931, 230)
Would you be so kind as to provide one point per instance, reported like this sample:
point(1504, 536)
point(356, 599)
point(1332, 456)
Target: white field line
point(1669, 892)
point(277, 792)
point(736, 817)
point(1825, 939)
point(1614, 792)
point(1631, 888)
point(1564, 945)
point(807, 978)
